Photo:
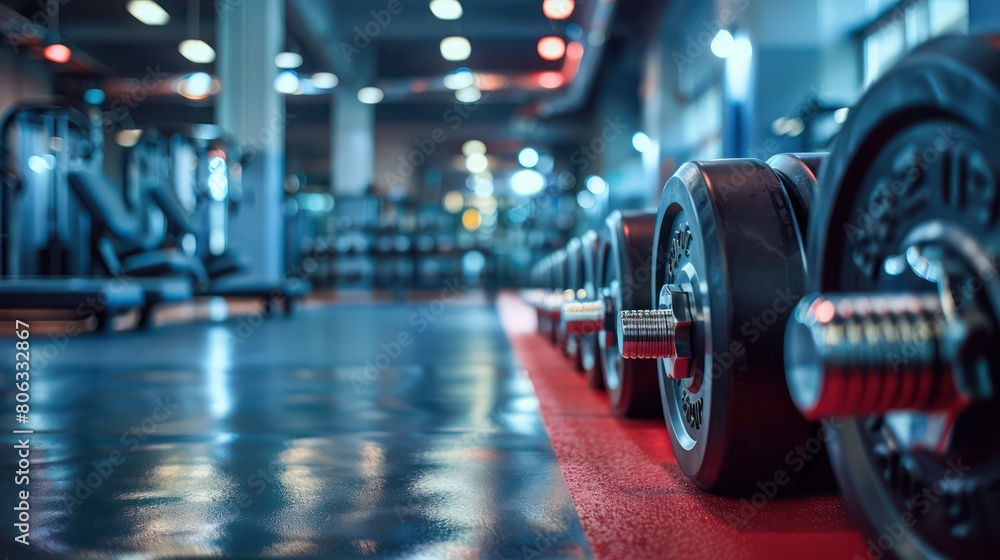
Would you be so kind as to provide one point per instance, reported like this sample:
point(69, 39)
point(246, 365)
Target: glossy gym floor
point(303, 437)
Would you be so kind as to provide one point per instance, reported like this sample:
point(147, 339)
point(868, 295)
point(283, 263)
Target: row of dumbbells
point(857, 288)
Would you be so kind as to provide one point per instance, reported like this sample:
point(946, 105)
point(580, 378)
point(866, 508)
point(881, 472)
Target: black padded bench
point(102, 298)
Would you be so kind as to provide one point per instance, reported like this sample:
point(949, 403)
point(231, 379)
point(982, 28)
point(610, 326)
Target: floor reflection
point(317, 436)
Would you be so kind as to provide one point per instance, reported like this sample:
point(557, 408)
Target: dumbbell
point(899, 342)
point(622, 271)
point(581, 344)
point(535, 295)
point(728, 267)
point(548, 296)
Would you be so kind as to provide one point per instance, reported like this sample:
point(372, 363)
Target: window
point(905, 25)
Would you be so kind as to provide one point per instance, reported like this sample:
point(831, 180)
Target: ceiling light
point(446, 9)
point(455, 48)
point(596, 184)
point(473, 147)
point(197, 51)
point(459, 79)
point(57, 53)
point(558, 9)
point(324, 80)
point(197, 85)
point(286, 82)
point(528, 157)
point(551, 48)
point(370, 95)
point(468, 95)
point(490, 82)
point(641, 142)
point(476, 163)
point(288, 60)
point(472, 219)
point(527, 182)
point(483, 187)
point(723, 45)
point(453, 202)
point(551, 80)
point(148, 12)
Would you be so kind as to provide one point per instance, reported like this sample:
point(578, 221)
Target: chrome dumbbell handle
point(862, 354)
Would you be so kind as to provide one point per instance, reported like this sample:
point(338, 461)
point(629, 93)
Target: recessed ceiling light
point(459, 79)
point(468, 95)
point(57, 53)
point(551, 48)
point(370, 95)
point(473, 147)
point(286, 82)
point(527, 182)
point(455, 48)
point(446, 9)
point(551, 80)
point(197, 51)
point(558, 9)
point(324, 80)
point(197, 85)
point(288, 60)
point(528, 157)
point(477, 163)
point(148, 12)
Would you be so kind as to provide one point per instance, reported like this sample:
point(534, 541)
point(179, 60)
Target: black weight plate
point(560, 283)
point(587, 359)
point(544, 283)
point(729, 230)
point(575, 279)
point(624, 249)
point(918, 153)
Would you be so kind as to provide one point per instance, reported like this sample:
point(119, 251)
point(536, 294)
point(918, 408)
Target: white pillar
point(250, 34)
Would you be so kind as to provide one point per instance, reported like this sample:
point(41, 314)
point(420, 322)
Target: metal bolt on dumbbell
point(862, 354)
point(661, 333)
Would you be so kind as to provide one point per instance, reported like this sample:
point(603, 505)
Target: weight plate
point(587, 358)
point(624, 248)
point(727, 231)
point(576, 276)
point(913, 170)
point(560, 275)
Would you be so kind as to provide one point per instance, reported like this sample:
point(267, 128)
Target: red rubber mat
point(633, 499)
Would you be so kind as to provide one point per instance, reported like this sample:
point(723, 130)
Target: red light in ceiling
point(551, 80)
point(558, 9)
point(551, 48)
point(574, 50)
point(57, 53)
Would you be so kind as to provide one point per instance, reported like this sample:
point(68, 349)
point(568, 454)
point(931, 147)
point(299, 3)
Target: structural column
point(353, 129)
point(250, 34)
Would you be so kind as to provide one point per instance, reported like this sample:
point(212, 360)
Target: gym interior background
point(402, 278)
